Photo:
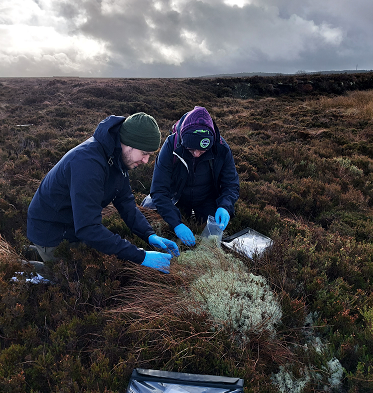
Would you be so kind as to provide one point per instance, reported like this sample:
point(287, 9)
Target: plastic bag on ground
point(247, 242)
point(157, 381)
point(35, 278)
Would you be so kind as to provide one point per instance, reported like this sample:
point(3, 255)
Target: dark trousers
point(201, 210)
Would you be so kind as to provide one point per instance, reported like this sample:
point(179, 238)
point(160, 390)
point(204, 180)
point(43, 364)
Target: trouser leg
point(201, 210)
point(205, 209)
point(46, 254)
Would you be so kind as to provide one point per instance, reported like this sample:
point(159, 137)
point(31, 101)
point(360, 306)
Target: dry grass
point(355, 103)
point(7, 252)
point(155, 309)
point(164, 311)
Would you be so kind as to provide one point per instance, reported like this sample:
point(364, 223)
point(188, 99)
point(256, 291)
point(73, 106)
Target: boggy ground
point(303, 148)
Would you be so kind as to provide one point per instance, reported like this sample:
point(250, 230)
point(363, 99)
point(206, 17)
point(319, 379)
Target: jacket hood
point(107, 133)
point(197, 119)
point(185, 122)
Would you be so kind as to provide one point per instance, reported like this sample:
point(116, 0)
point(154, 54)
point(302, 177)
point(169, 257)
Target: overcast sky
point(183, 38)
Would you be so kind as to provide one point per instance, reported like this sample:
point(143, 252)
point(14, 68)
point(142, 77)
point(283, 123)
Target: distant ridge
point(242, 75)
point(250, 74)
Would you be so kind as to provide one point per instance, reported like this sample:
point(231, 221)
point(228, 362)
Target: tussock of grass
point(208, 302)
point(209, 282)
point(356, 102)
point(6, 250)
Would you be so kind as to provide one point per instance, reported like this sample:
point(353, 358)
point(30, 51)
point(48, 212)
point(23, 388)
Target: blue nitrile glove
point(222, 217)
point(157, 260)
point(185, 235)
point(164, 243)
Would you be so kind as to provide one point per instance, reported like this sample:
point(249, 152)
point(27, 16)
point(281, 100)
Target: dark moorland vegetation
point(303, 147)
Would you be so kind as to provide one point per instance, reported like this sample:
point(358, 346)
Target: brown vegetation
point(303, 147)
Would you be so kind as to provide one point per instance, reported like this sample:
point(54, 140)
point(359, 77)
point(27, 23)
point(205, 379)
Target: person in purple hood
point(69, 201)
point(194, 171)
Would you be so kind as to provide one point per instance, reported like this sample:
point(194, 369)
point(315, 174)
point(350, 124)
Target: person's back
point(50, 213)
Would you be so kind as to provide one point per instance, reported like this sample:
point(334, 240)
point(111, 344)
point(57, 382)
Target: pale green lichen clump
point(329, 375)
point(229, 293)
point(287, 383)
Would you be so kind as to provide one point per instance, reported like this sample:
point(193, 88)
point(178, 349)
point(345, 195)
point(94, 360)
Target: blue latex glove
point(157, 260)
point(165, 244)
point(185, 235)
point(222, 217)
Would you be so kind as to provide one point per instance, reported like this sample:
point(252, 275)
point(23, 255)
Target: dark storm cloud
point(184, 37)
point(130, 31)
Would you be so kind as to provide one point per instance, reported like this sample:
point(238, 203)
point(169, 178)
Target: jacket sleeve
point(86, 179)
point(228, 182)
point(131, 215)
point(161, 187)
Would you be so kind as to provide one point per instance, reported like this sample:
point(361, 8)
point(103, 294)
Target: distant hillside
point(296, 85)
point(249, 74)
point(242, 75)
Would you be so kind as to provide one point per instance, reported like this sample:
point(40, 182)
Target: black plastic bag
point(157, 381)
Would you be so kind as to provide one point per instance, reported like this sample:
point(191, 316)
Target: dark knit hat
point(141, 132)
point(197, 130)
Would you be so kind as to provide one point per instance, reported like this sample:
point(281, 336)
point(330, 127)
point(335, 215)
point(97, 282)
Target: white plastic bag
point(248, 242)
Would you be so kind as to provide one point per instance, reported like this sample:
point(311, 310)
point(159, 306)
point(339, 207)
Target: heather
point(297, 318)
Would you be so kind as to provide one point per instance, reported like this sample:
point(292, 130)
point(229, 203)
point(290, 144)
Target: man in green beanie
point(69, 201)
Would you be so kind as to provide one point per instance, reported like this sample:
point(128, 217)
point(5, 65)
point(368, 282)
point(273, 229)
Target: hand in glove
point(222, 217)
point(185, 235)
point(157, 260)
point(165, 244)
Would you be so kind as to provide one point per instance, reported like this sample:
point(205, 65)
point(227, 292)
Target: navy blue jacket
point(171, 172)
point(69, 201)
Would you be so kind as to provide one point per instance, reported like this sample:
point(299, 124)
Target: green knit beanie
point(141, 132)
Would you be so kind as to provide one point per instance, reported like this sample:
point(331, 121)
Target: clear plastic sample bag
point(212, 229)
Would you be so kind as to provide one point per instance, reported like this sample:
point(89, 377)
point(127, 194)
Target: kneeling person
point(69, 201)
point(195, 171)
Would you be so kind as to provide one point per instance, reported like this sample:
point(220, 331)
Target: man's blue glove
point(222, 217)
point(185, 235)
point(157, 260)
point(165, 244)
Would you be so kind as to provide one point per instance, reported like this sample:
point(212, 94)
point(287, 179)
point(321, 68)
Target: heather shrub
point(302, 146)
point(263, 218)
